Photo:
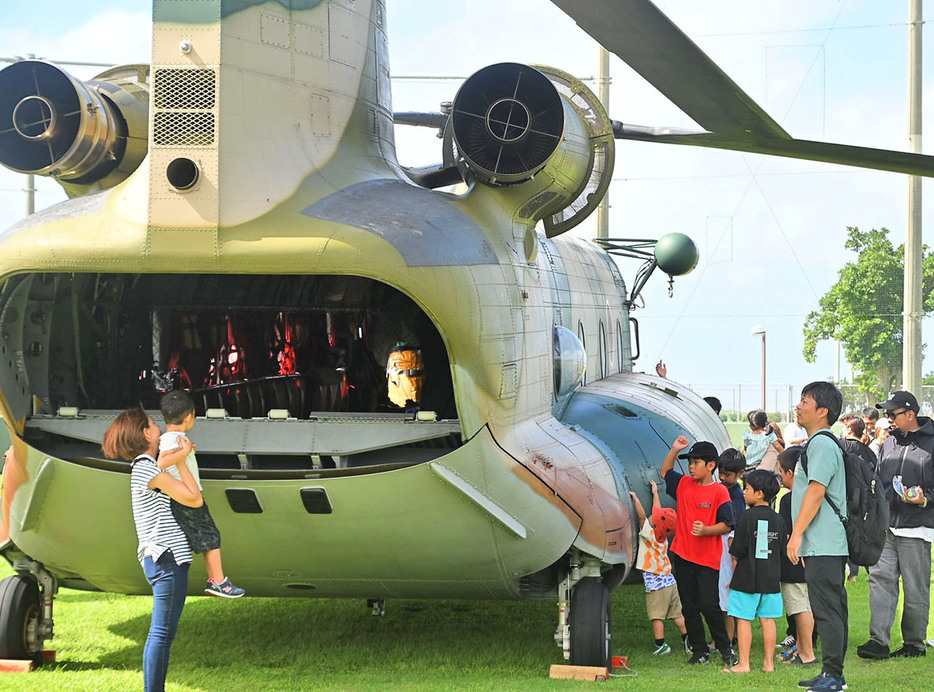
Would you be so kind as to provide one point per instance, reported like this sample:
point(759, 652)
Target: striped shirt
point(156, 528)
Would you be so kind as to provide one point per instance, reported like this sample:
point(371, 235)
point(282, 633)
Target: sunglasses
point(892, 415)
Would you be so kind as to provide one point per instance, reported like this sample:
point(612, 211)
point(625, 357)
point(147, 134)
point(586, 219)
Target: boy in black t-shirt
point(757, 548)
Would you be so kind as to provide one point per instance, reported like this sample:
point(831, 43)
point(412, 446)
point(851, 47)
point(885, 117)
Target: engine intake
point(513, 123)
point(77, 132)
point(508, 120)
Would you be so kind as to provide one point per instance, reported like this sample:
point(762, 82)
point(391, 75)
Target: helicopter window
point(603, 362)
point(570, 361)
point(580, 335)
point(316, 347)
point(619, 345)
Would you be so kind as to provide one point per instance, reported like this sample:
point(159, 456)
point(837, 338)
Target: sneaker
point(908, 652)
point(662, 649)
point(817, 678)
point(810, 682)
point(827, 683)
point(873, 650)
point(787, 642)
point(729, 657)
point(698, 658)
point(225, 589)
point(687, 646)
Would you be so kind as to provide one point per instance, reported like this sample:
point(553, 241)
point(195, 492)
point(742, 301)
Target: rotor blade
point(434, 176)
point(844, 154)
point(651, 44)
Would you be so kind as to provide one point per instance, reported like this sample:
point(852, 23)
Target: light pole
point(760, 331)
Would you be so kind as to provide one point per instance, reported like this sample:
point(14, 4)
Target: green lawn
point(282, 644)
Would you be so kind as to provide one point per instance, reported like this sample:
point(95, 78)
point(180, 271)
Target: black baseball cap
point(900, 399)
point(701, 450)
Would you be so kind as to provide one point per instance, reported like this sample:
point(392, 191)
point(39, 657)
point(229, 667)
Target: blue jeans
point(169, 583)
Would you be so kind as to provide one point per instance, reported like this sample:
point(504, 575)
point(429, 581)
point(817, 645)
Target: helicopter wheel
point(590, 624)
point(19, 613)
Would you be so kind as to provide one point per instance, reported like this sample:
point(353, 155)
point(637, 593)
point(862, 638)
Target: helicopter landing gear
point(19, 617)
point(25, 614)
point(591, 643)
point(584, 628)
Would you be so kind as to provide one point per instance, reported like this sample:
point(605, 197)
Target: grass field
point(282, 644)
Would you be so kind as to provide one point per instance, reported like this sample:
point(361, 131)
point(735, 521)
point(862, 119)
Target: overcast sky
point(770, 231)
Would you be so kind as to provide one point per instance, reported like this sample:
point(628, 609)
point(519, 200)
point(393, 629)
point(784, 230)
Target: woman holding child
point(163, 549)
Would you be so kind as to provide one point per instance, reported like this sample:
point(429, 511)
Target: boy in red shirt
point(705, 513)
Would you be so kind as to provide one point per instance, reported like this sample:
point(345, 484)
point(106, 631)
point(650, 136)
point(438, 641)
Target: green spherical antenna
point(676, 254)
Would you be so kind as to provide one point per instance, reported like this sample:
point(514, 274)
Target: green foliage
point(298, 644)
point(863, 310)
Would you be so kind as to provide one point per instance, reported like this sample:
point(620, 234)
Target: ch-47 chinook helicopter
point(239, 227)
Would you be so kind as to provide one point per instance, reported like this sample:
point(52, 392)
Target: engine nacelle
point(512, 123)
point(87, 135)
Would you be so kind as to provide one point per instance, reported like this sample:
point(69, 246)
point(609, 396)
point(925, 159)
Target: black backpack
point(867, 510)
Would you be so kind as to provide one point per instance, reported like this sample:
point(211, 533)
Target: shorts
point(198, 526)
point(726, 572)
point(663, 604)
point(749, 606)
point(795, 597)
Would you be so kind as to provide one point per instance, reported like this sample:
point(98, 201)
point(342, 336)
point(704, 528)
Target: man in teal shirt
point(818, 536)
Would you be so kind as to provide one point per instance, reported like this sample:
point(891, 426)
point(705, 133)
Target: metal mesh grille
point(171, 128)
point(185, 89)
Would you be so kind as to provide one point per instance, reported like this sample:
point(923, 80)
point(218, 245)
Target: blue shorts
point(749, 606)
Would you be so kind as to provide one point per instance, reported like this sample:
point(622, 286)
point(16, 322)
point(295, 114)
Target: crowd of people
point(733, 558)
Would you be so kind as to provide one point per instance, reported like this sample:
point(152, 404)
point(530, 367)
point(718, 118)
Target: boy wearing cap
point(661, 593)
point(906, 468)
point(705, 513)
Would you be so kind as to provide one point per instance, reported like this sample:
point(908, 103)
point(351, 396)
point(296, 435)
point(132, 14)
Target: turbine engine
point(87, 135)
point(512, 124)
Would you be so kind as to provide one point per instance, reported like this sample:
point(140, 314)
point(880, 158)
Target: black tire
point(19, 604)
point(591, 633)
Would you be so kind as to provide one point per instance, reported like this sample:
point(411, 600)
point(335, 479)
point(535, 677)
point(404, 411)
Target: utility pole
point(30, 194)
point(603, 89)
point(911, 347)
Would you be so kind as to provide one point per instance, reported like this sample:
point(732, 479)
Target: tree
point(863, 310)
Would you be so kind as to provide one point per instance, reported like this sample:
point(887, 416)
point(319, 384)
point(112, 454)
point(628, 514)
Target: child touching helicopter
point(705, 513)
point(178, 409)
point(661, 592)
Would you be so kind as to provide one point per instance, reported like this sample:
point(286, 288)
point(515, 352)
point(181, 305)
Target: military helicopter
point(403, 391)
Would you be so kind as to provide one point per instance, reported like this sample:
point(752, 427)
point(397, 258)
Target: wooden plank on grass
point(559, 672)
point(12, 665)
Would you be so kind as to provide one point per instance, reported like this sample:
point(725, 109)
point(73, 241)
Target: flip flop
point(796, 660)
point(733, 672)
